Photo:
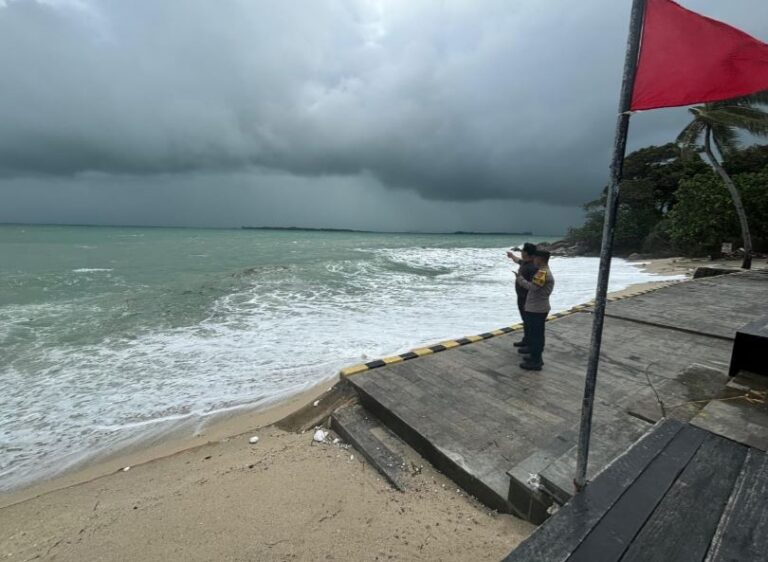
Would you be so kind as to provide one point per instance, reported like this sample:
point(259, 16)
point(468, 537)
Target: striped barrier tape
point(449, 344)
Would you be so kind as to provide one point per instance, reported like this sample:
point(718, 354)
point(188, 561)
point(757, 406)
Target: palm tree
point(720, 123)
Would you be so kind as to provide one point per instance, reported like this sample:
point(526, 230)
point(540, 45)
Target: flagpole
point(609, 226)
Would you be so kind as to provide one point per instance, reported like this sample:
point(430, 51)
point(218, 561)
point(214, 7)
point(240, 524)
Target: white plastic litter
point(336, 441)
point(320, 436)
point(126, 469)
point(534, 481)
point(253, 440)
point(552, 509)
point(316, 402)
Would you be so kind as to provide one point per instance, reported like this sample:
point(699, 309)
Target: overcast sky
point(391, 114)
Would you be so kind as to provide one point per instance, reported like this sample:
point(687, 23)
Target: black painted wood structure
point(750, 348)
point(679, 494)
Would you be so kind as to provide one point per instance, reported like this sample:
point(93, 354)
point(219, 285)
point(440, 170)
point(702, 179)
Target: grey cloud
point(456, 100)
point(234, 199)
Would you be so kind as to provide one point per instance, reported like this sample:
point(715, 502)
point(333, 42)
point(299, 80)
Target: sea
point(110, 336)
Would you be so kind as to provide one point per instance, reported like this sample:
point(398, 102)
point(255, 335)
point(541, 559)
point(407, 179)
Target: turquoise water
point(109, 335)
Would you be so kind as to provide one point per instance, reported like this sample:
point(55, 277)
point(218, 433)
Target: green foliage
point(752, 159)
point(670, 200)
point(704, 216)
point(647, 193)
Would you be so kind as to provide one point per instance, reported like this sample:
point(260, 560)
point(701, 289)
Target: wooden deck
point(681, 493)
point(714, 306)
point(508, 436)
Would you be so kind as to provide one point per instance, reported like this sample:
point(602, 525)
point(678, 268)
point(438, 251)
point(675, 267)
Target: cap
point(542, 254)
point(529, 248)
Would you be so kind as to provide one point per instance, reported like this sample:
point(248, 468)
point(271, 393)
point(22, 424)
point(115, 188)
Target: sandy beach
point(283, 498)
point(215, 496)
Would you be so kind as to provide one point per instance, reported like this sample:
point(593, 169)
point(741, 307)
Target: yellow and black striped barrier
point(448, 344)
point(422, 351)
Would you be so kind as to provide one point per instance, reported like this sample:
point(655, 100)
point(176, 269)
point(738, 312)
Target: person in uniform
point(526, 270)
point(537, 308)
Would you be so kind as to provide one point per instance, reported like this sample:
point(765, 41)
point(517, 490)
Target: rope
point(760, 397)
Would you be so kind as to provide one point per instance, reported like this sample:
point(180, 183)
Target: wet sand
point(284, 498)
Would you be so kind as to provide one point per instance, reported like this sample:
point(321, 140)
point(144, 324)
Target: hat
point(542, 254)
point(529, 248)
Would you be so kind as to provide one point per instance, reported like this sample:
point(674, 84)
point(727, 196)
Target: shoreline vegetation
point(285, 496)
point(672, 203)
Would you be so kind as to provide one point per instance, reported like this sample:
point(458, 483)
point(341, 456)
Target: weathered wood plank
point(740, 420)
point(683, 396)
point(559, 536)
point(356, 426)
point(683, 524)
point(612, 431)
point(474, 406)
point(613, 534)
point(743, 531)
point(699, 306)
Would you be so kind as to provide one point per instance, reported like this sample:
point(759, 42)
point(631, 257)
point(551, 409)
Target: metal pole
point(611, 207)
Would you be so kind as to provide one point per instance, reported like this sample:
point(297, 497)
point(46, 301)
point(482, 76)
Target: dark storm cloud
point(455, 100)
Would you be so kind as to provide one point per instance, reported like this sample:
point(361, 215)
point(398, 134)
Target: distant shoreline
point(351, 230)
point(289, 229)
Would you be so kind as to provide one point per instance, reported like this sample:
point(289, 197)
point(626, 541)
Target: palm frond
point(726, 138)
point(750, 119)
point(689, 137)
point(758, 98)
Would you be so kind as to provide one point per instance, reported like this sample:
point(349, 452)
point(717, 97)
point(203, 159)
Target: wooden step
point(560, 535)
point(613, 433)
point(382, 448)
point(526, 494)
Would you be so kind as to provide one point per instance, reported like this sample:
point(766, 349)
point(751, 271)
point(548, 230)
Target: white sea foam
point(91, 269)
point(274, 335)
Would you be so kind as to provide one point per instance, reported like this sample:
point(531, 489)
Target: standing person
point(537, 308)
point(526, 270)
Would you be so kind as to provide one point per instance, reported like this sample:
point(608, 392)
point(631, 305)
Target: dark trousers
point(535, 324)
point(521, 308)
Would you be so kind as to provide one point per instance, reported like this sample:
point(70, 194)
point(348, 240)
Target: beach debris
point(253, 440)
point(320, 436)
point(552, 509)
point(126, 468)
point(534, 481)
point(336, 441)
point(351, 457)
point(316, 402)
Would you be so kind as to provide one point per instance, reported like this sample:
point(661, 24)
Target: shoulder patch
point(540, 278)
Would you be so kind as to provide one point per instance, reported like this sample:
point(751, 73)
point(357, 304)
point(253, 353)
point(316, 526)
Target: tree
point(651, 176)
point(705, 215)
point(721, 123)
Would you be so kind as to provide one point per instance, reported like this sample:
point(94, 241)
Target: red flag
point(686, 58)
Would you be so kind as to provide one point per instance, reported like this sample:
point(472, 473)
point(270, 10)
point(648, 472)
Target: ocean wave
point(253, 334)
